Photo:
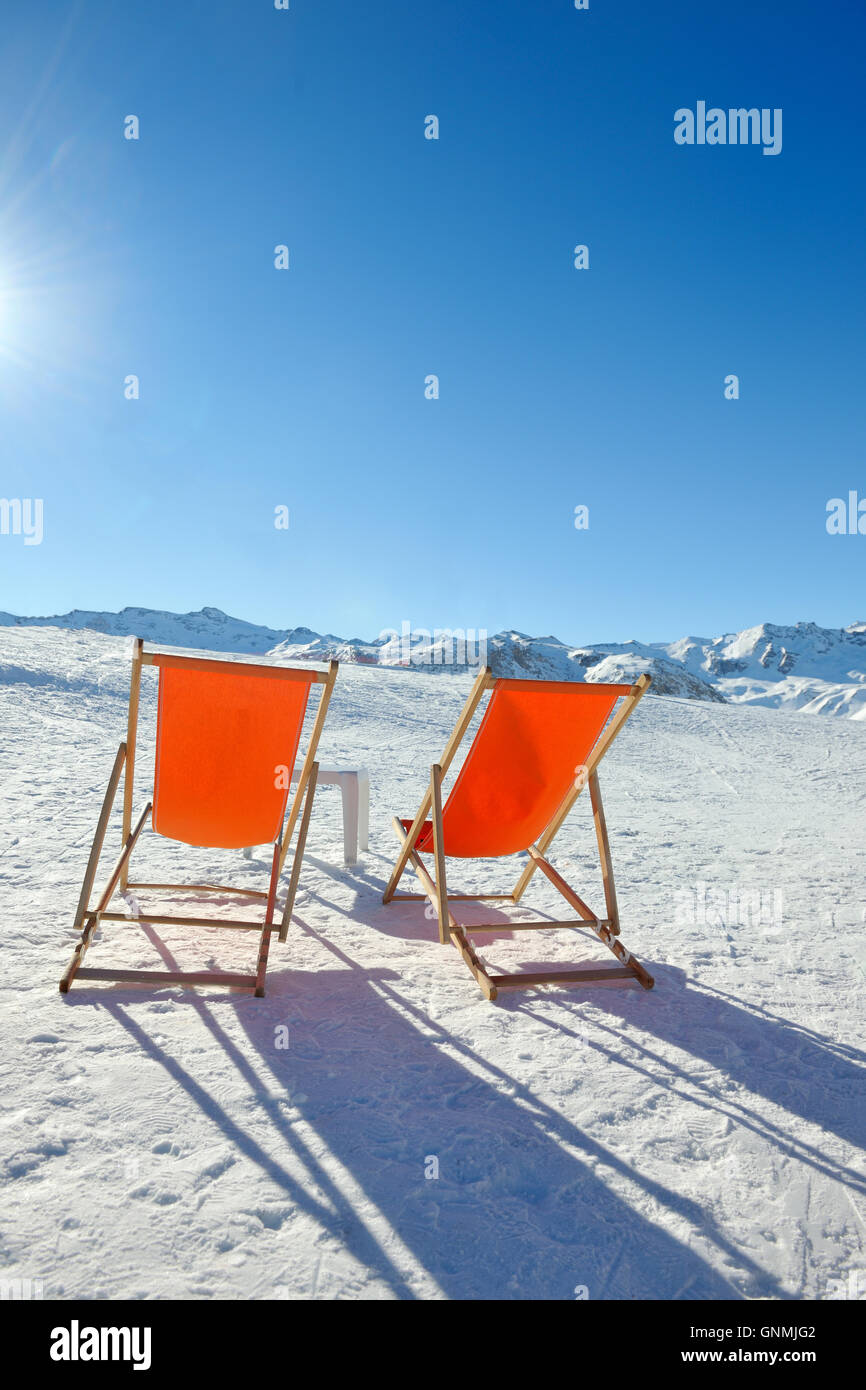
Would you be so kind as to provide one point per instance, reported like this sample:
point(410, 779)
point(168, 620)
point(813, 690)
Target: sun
point(44, 302)
point(17, 332)
point(9, 329)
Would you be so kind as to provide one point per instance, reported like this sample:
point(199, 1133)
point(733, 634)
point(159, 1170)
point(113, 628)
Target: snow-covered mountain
point(211, 629)
point(515, 654)
point(802, 667)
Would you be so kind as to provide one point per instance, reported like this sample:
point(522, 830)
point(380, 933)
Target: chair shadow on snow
point(517, 1210)
point(802, 1072)
point(512, 1215)
point(792, 1066)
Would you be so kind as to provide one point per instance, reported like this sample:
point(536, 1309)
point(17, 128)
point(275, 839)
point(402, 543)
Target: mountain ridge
point(798, 666)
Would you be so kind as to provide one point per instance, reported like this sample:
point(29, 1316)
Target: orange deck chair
point(538, 744)
point(226, 741)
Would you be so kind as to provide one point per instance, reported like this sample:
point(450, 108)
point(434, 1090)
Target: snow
point(703, 1140)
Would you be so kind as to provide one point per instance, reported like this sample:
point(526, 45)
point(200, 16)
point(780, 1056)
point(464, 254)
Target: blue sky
point(408, 256)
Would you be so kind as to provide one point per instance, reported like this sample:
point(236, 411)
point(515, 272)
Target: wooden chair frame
point(88, 918)
point(606, 929)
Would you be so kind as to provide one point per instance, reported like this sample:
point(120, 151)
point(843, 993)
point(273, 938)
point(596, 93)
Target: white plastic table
point(354, 784)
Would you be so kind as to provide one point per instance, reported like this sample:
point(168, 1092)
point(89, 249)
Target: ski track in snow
point(701, 1141)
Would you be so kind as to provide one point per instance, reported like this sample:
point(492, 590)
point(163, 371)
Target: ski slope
point(702, 1141)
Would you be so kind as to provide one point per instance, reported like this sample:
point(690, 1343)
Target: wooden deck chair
point(538, 744)
point(226, 741)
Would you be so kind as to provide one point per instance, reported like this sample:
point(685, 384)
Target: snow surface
point(704, 1140)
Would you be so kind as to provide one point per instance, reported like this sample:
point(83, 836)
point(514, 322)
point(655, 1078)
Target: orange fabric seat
point(425, 839)
point(226, 744)
point(532, 740)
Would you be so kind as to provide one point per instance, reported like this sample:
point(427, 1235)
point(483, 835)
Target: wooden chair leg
point(407, 845)
point(78, 955)
point(485, 984)
point(262, 965)
point(131, 737)
point(299, 852)
point(99, 837)
point(456, 933)
point(439, 853)
point(604, 852)
point(265, 942)
point(309, 760)
point(107, 894)
point(606, 935)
